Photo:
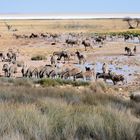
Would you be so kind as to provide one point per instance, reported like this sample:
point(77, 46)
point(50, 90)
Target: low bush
point(55, 82)
point(38, 57)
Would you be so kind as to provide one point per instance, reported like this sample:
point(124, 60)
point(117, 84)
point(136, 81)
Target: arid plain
point(40, 105)
point(111, 51)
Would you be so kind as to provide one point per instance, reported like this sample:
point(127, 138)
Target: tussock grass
point(26, 82)
point(67, 112)
point(61, 121)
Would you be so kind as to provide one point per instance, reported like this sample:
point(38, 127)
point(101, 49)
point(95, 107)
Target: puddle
point(127, 71)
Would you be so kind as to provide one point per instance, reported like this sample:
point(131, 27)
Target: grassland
point(65, 113)
point(64, 110)
point(63, 26)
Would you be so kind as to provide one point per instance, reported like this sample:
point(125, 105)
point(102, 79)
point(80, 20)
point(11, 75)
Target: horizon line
point(68, 16)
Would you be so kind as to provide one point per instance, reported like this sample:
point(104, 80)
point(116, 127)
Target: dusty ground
point(111, 52)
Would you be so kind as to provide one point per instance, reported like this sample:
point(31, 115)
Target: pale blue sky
point(69, 6)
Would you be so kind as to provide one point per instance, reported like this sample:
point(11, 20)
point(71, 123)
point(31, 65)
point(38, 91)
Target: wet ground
point(127, 71)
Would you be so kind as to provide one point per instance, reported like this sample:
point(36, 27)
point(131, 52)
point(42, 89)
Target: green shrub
point(38, 57)
point(48, 82)
point(134, 33)
point(55, 82)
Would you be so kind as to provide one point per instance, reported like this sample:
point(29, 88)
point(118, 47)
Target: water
point(136, 40)
point(126, 71)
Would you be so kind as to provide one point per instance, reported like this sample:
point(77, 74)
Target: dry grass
point(32, 112)
point(56, 113)
point(61, 26)
point(36, 46)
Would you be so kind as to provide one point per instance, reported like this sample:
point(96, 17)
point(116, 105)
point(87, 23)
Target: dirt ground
point(111, 52)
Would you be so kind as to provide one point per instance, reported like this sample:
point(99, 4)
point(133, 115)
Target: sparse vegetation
point(56, 82)
point(38, 57)
point(137, 20)
point(134, 32)
point(130, 20)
